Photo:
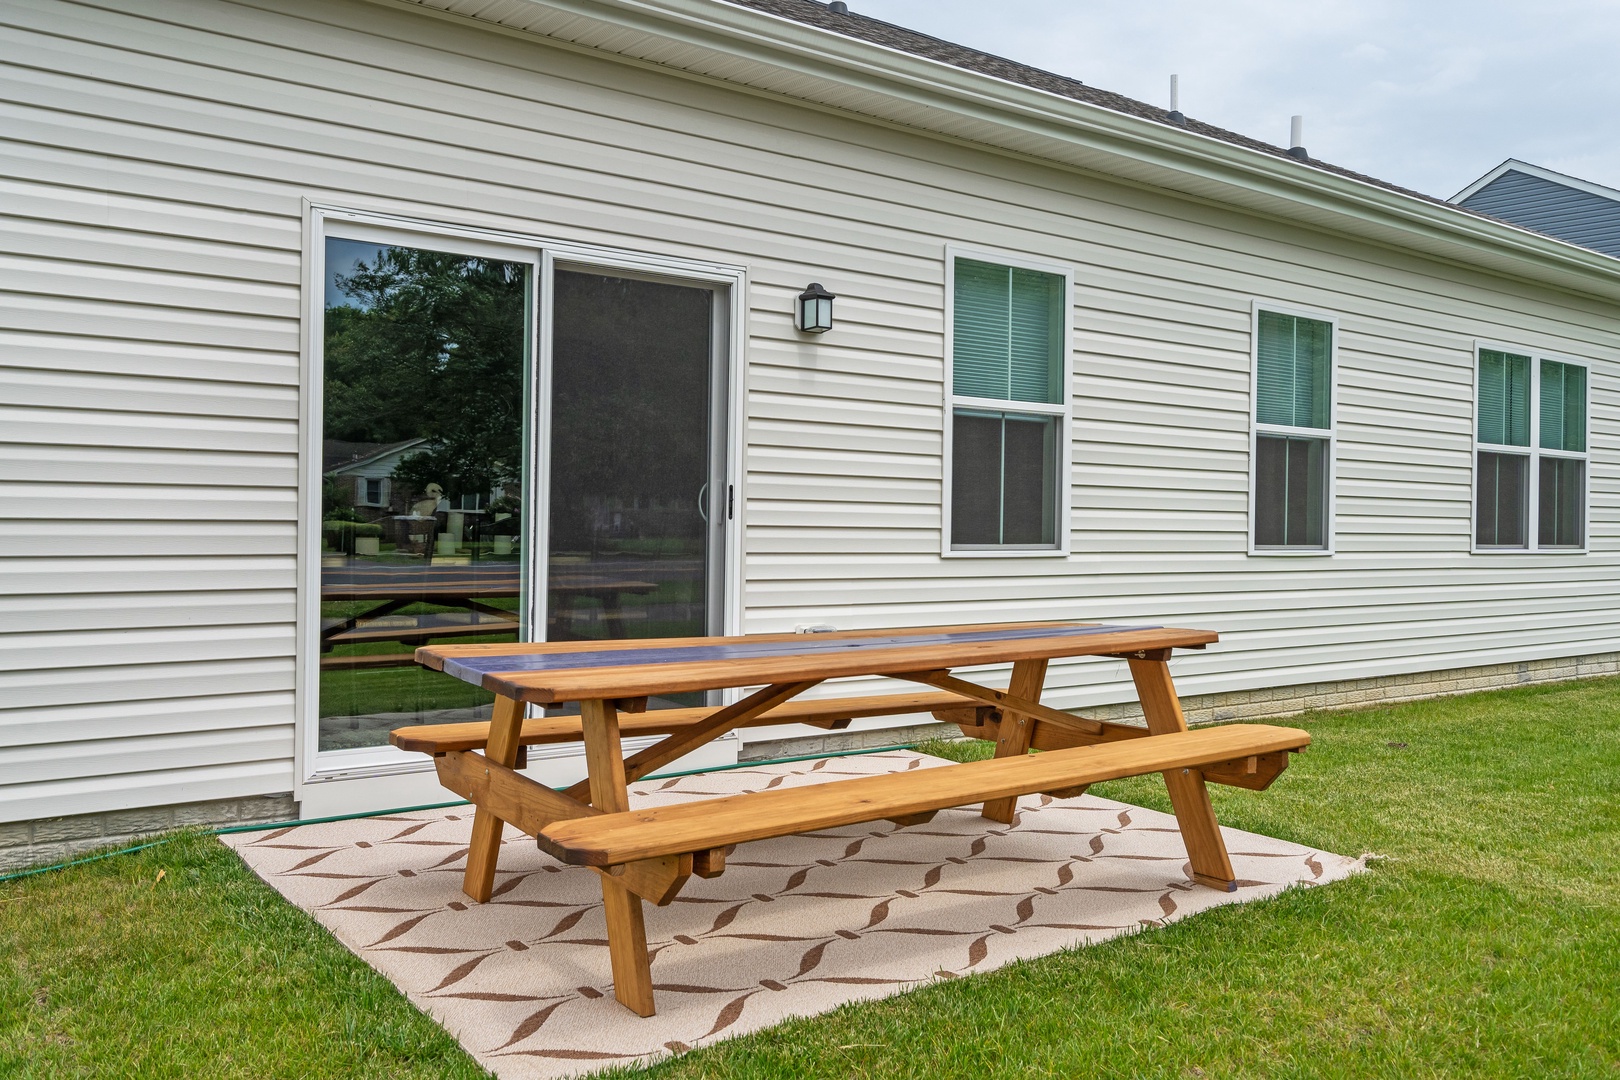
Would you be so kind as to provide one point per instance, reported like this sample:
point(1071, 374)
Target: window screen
point(1503, 489)
point(1003, 475)
point(1290, 492)
point(1563, 502)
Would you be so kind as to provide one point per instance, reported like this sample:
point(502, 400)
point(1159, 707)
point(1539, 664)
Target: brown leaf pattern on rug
point(794, 927)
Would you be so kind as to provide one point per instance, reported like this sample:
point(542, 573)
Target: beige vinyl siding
point(156, 165)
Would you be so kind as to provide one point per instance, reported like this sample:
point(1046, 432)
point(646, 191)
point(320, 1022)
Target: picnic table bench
point(649, 854)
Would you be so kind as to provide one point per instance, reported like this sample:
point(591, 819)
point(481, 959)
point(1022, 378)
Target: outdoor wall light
point(813, 312)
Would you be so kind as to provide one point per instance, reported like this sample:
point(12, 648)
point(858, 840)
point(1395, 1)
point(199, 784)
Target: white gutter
point(783, 56)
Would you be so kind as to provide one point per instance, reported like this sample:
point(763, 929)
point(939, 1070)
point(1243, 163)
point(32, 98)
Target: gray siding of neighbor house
point(1551, 208)
point(156, 162)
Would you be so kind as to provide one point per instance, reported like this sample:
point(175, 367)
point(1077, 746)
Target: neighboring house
point(363, 472)
point(1087, 360)
point(1548, 202)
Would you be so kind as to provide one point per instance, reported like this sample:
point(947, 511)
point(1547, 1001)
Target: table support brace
point(532, 806)
point(1017, 728)
point(1010, 699)
point(684, 742)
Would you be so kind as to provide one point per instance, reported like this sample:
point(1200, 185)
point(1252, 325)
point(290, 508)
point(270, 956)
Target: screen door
point(636, 494)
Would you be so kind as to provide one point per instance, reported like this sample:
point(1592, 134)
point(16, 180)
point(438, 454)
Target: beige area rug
point(794, 927)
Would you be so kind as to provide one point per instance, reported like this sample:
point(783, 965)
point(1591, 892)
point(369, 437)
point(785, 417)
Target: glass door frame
point(386, 769)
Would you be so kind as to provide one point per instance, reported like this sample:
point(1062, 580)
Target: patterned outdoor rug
point(794, 927)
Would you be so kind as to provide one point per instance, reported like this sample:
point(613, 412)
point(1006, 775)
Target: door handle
point(703, 502)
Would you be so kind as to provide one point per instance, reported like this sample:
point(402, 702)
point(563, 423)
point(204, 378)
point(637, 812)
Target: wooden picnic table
point(651, 853)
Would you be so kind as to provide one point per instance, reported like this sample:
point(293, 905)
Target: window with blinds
point(1563, 407)
point(1529, 462)
point(1293, 433)
point(1504, 398)
point(1009, 406)
point(1008, 333)
point(1294, 371)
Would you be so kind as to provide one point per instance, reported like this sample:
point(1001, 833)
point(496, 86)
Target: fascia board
point(781, 56)
point(1509, 165)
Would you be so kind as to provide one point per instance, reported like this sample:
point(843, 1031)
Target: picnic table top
point(619, 668)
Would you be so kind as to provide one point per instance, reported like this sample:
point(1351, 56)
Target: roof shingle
point(864, 28)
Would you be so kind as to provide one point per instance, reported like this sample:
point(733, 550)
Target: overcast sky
point(1428, 94)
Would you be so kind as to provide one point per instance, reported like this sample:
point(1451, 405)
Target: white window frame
point(1534, 452)
point(314, 769)
point(1064, 411)
point(364, 483)
point(1330, 434)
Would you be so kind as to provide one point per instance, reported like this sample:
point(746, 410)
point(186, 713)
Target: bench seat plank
point(1255, 772)
point(611, 839)
point(443, 738)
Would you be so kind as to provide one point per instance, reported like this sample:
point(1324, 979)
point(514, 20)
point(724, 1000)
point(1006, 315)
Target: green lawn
point(1486, 942)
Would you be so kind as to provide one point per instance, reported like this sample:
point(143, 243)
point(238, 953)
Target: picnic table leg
point(1014, 731)
point(613, 612)
point(626, 930)
point(1188, 794)
point(505, 727)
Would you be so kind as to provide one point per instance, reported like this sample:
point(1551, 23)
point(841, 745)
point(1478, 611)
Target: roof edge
point(1540, 172)
point(907, 89)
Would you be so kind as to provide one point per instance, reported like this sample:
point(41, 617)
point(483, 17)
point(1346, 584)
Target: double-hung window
point(1008, 407)
point(1529, 453)
point(1291, 493)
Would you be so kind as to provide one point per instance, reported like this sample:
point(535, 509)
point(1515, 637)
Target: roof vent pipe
point(1296, 136)
point(1175, 116)
point(838, 7)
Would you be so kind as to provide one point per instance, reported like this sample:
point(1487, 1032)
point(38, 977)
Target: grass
point(177, 962)
point(1485, 942)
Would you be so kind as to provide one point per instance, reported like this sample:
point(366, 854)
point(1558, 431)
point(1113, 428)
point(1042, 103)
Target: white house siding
point(156, 158)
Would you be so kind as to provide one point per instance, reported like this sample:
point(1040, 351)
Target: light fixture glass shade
point(813, 310)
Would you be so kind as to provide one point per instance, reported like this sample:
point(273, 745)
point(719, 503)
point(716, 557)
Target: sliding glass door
point(486, 475)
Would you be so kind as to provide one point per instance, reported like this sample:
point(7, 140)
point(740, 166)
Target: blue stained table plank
point(473, 668)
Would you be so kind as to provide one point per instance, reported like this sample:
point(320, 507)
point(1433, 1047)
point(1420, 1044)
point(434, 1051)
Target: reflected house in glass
point(378, 327)
point(362, 473)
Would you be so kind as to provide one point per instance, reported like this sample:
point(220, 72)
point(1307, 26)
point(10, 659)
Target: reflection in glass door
point(424, 367)
point(637, 495)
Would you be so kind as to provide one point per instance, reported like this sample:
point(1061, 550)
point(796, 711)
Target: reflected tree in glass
point(424, 356)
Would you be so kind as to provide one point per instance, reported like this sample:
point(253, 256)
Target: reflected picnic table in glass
point(651, 853)
point(467, 587)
